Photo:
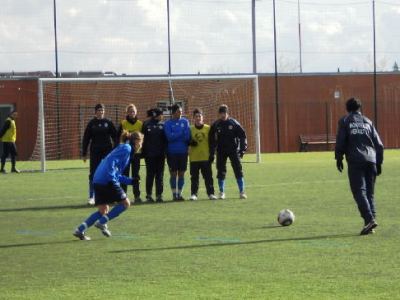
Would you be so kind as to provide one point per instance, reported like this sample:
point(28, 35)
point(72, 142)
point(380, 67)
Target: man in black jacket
point(153, 151)
point(228, 139)
point(359, 141)
point(101, 134)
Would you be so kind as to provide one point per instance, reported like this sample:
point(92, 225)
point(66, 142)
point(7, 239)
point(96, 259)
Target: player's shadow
point(227, 244)
point(38, 244)
point(38, 208)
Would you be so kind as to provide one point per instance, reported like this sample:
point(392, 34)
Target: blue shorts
point(108, 194)
point(177, 162)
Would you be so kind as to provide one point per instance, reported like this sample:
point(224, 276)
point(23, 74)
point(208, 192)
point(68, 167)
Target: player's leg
point(182, 167)
point(173, 171)
point(370, 178)
point(206, 172)
point(221, 173)
point(150, 175)
point(358, 187)
point(95, 159)
point(13, 155)
point(194, 179)
point(159, 177)
point(238, 170)
point(4, 156)
point(136, 178)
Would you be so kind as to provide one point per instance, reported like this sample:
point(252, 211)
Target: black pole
point(278, 140)
point(169, 54)
point(57, 84)
point(55, 36)
point(253, 31)
point(375, 79)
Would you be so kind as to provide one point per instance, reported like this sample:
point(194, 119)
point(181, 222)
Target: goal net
point(66, 105)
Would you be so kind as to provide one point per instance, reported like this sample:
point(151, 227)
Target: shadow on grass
point(36, 208)
point(224, 244)
point(39, 244)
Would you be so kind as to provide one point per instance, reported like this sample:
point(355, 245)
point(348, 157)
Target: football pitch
point(224, 249)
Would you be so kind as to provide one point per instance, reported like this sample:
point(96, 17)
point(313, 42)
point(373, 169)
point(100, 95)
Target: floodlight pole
point(253, 31)
point(276, 84)
point(169, 55)
point(55, 35)
point(375, 79)
point(300, 47)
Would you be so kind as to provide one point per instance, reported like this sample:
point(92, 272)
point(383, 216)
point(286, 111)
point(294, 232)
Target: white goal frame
point(42, 81)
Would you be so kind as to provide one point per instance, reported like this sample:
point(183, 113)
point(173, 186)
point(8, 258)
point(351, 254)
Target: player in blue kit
point(107, 182)
point(177, 131)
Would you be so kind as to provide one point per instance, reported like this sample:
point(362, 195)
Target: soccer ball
point(286, 217)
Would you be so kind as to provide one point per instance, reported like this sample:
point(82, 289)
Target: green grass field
point(225, 249)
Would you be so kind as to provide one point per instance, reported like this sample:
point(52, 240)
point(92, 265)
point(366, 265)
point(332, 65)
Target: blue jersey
point(177, 132)
point(113, 165)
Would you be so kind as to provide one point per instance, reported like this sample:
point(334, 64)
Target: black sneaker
point(138, 200)
point(3, 171)
point(81, 235)
point(159, 199)
point(369, 227)
point(180, 198)
point(15, 171)
point(149, 199)
point(103, 228)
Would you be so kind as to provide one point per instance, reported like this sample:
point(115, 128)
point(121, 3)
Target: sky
point(207, 36)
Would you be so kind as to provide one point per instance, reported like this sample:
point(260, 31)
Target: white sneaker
point(91, 201)
point(212, 197)
point(193, 197)
point(221, 195)
point(243, 195)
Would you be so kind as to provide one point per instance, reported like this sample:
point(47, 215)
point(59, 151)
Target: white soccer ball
point(286, 217)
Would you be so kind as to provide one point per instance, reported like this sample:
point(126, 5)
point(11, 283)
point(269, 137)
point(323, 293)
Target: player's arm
point(241, 134)
point(119, 132)
point(113, 133)
point(378, 146)
point(212, 142)
point(125, 180)
point(187, 133)
point(87, 136)
point(341, 138)
point(5, 127)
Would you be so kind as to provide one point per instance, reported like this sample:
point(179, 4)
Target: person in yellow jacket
point(8, 135)
point(199, 154)
point(132, 124)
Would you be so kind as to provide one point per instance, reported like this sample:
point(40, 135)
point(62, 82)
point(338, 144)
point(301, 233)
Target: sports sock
point(115, 212)
point(172, 182)
point(221, 184)
point(89, 221)
point(240, 182)
point(181, 183)
point(91, 189)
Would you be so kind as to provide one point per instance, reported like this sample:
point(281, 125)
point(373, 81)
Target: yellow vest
point(201, 152)
point(131, 127)
point(10, 136)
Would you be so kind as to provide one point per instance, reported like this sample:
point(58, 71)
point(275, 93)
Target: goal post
point(67, 104)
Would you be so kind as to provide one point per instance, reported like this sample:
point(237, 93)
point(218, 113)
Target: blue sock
point(172, 182)
point(181, 183)
point(115, 212)
point(221, 184)
point(89, 221)
point(91, 189)
point(240, 182)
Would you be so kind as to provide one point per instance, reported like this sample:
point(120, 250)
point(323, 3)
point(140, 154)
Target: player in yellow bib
point(8, 135)
point(132, 124)
point(199, 155)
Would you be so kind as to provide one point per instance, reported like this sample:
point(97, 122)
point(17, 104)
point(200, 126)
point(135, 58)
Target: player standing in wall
point(199, 154)
point(359, 141)
point(102, 136)
point(8, 135)
point(228, 139)
point(177, 131)
point(153, 151)
point(132, 124)
point(106, 180)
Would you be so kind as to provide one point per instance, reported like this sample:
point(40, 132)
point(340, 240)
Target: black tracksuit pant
point(235, 163)
point(362, 183)
point(205, 168)
point(9, 149)
point(155, 172)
